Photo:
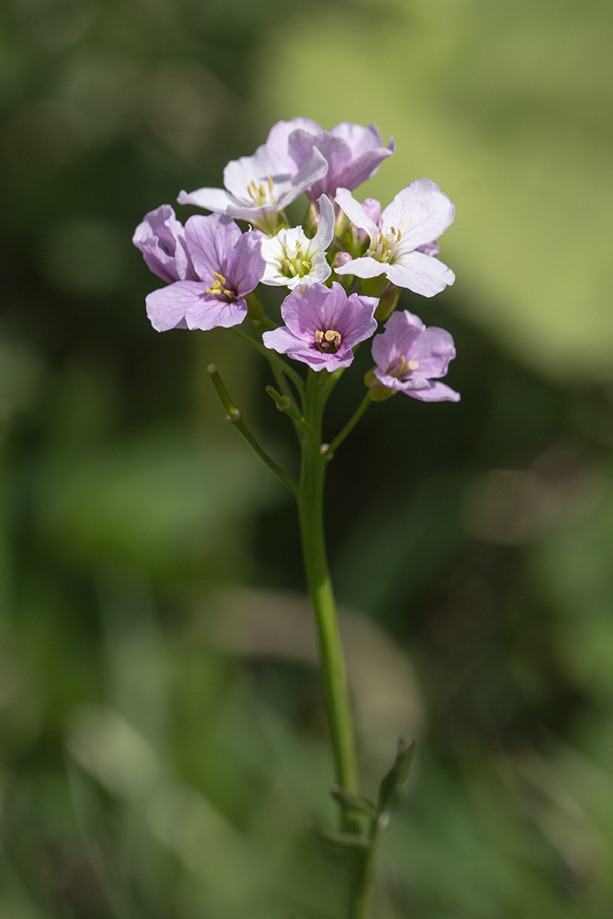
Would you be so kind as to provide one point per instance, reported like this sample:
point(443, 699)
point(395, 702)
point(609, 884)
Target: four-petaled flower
point(227, 265)
point(292, 258)
point(322, 326)
point(259, 185)
point(417, 216)
point(161, 239)
point(411, 358)
point(353, 152)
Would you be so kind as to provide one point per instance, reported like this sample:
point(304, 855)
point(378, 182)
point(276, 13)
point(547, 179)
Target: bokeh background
point(162, 737)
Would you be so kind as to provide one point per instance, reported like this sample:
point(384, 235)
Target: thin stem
point(234, 416)
point(285, 405)
point(335, 444)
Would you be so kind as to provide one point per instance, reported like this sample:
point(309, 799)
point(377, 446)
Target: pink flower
point(411, 358)
point(353, 152)
point(322, 326)
point(227, 264)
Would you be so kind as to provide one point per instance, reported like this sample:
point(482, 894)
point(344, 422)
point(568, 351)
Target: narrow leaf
point(391, 785)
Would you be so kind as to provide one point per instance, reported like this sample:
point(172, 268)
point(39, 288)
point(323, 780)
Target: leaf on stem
point(390, 788)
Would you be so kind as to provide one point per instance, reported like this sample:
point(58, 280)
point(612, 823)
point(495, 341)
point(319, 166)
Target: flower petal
point(210, 312)
point(420, 273)
point(402, 330)
point(367, 152)
point(335, 151)
point(279, 134)
point(437, 392)
point(245, 266)
point(161, 239)
point(259, 168)
point(282, 340)
point(422, 212)
point(360, 323)
point(433, 351)
point(365, 267)
point(166, 307)
point(325, 228)
point(315, 167)
point(362, 139)
point(210, 239)
point(211, 199)
point(356, 213)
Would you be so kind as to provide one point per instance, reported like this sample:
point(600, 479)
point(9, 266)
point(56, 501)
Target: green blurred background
point(161, 727)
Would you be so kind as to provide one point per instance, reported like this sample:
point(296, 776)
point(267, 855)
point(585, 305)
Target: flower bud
point(341, 258)
point(387, 303)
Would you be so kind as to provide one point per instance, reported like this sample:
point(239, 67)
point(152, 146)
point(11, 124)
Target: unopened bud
point(375, 287)
point(340, 259)
point(387, 303)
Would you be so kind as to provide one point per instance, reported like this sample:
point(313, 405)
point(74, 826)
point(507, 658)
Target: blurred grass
point(162, 738)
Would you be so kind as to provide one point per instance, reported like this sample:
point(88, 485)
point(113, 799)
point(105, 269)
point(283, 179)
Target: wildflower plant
point(344, 269)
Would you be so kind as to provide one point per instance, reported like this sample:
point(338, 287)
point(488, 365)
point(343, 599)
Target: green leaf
point(391, 785)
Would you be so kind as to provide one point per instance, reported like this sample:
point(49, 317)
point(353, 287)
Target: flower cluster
point(344, 267)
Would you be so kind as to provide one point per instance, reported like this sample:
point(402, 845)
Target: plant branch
point(234, 415)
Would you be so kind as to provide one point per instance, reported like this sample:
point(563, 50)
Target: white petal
point(325, 229)
point(211, 199)
point(364, 267)
point(420, 273)
point(356, 213)
point(422, 212)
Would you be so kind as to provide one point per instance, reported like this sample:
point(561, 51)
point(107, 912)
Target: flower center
point(400, 367)
point(329, 342)
point(219, 289)
point(384, 246)
point(260, 194)
point(295, 264)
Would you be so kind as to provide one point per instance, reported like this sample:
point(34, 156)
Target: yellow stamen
point(218, 288)
point(328, 341)
point(258, 193)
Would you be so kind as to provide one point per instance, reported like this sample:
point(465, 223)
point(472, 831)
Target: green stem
point(310, 498)
point(234, 416)
point(309, 493)
point(276, 361)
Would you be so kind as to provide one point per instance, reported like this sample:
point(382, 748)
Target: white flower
point(417, 216)
point(258, 185)
point(292, 258)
